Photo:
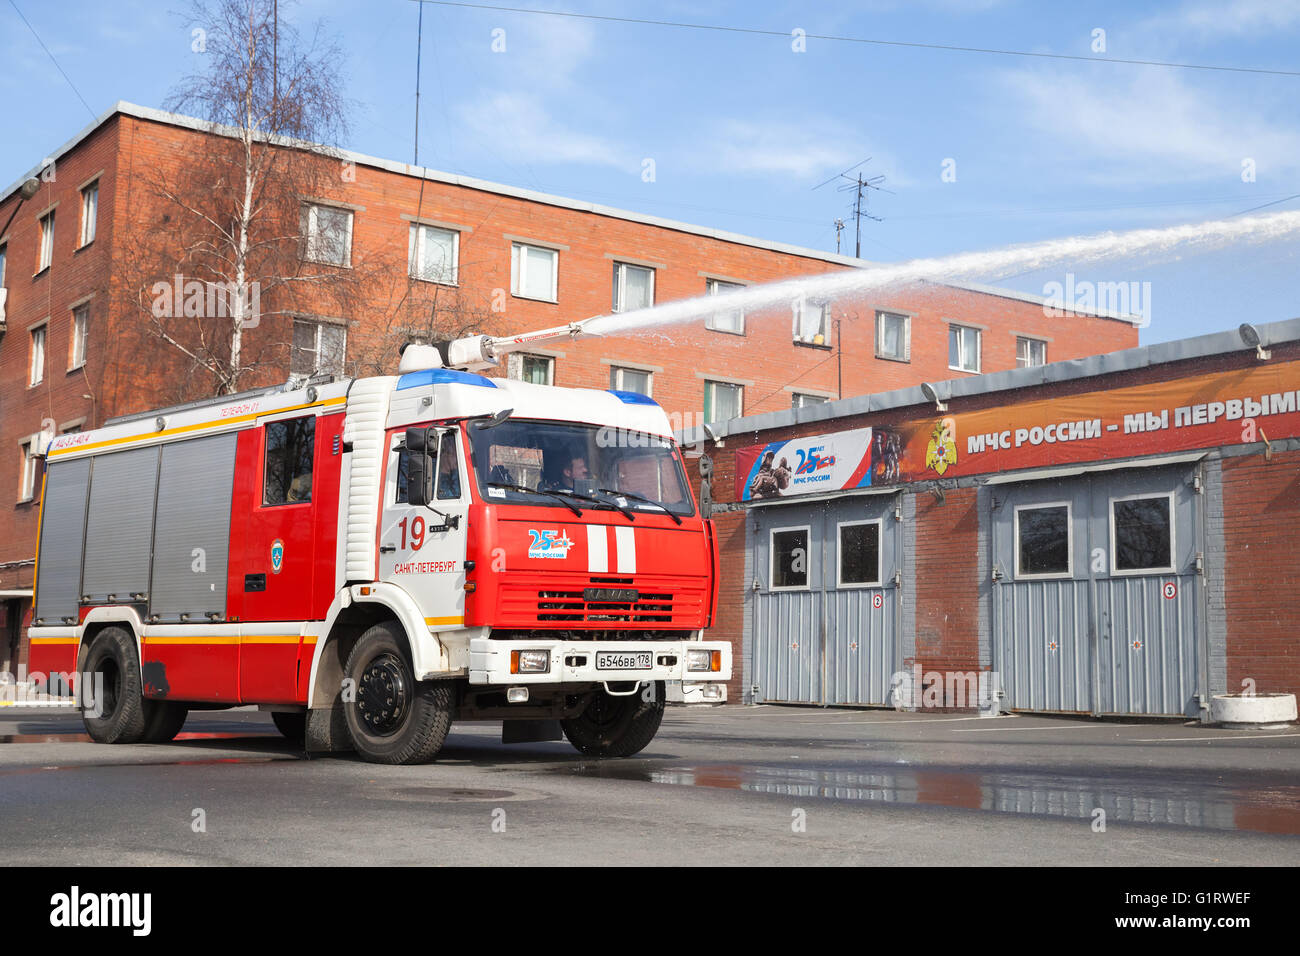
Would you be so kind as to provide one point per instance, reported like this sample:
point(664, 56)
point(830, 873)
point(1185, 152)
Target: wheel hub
point(382, 697)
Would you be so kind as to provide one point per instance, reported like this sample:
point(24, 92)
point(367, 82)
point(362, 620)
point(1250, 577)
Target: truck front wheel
point(613, 726)
point(393, 718)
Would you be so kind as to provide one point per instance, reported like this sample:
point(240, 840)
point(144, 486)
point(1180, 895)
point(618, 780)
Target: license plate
point(624, 661)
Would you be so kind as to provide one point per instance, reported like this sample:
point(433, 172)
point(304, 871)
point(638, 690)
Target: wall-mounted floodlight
point(1250, 335)
point(932, 396)
point(26, 191)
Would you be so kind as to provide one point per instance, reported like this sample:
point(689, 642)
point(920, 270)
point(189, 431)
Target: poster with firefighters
point(1241, 406)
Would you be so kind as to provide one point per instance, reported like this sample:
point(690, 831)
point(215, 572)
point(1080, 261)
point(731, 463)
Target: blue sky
point(740, 127)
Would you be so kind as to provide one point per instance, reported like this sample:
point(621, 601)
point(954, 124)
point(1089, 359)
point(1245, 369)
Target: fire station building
point(1106, 536)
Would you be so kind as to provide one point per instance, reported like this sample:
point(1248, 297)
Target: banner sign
point(801, 466)
point(1241, 406)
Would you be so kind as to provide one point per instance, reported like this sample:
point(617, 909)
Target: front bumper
point(575, 662)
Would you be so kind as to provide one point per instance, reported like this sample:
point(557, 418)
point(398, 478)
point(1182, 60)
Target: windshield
point(518, 458)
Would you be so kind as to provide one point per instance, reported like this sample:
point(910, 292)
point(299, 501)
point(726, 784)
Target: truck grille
point(648, 608)
point(647, 602)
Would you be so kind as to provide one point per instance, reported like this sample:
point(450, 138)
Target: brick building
point(1107, 536)
point(74, 350)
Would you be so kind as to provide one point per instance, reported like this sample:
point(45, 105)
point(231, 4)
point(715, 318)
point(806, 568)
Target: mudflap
point(327, 731)
point(530, 731)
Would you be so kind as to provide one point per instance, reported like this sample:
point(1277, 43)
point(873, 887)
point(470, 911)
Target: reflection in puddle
point(1273, 809)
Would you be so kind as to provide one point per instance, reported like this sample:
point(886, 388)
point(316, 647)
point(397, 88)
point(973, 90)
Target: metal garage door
point(1096, 593)
point(826, 608)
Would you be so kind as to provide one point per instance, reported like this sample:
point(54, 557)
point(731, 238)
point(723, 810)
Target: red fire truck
point(372, 559)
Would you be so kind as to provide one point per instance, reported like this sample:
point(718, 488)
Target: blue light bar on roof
point(632, 398)
point(442, 376)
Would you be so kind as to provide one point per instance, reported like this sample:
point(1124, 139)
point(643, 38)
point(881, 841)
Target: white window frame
point(316, 350)
point(771, 559)
point(80, 336)
point(881, 314)
point(89, 214)
point(45, 250)
point(840, 583)
point(415, 254)
point(36, 370)
point(519, 270)
point(4, 261)
point(1068, 573)
point(27, 477)
point(515, 365)
point(620, 283)
point(312, 233)
point(820, 399)
point(712, 403)
point(797, 308)
point(711, 288)
point(1036, 341)
point(979, 347)
point(616, 374)
point(1173, 541)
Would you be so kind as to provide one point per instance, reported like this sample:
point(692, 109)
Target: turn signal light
point(530, 662)
point(703, 660)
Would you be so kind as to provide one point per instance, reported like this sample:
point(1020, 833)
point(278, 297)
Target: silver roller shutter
point(63, 526)
point(119, 529)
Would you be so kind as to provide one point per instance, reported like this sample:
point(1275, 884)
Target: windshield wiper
point(636, 497)
point(537, 491)
point(602, 501)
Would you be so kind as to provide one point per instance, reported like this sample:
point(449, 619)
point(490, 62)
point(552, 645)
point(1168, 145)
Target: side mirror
point(419, 470)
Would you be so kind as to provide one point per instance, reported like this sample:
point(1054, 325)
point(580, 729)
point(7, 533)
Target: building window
point(45, 254)
point(1030, 352)
point(722, 401)
point(804, 399)
point(537, 369)
point(1142, 536)
point(80, 336)
point(1043, 541)
point(733, 320)
point(89, 213)
point(319, 348)
point(4, 258)
point(290, 450)
point(963, 348)
point(36, 367)
point(789, 558)
point(534, 272)
point(434, 254)
point(811, 323)
point(630, 380)
point(859, 553)
point(634, 287)
point(27, 466)
point(893, 336)
point(329, 234)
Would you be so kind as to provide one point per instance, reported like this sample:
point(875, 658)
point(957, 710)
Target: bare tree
point(227, 242)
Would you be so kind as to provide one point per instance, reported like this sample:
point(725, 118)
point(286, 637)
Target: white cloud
point(520, 123)
point(809, 150)
point(1152, 129)
point(1236, 18)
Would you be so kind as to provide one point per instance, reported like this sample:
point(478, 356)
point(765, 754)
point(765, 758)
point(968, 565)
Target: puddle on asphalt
point(1274, 809)
point(85, 738)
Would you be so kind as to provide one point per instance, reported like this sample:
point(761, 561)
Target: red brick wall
point(1261, 504)
point(947, 582)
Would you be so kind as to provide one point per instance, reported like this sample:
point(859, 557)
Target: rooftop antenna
point(861, 186)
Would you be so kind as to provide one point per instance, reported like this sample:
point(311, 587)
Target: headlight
point(703, 660)
point(530, 662)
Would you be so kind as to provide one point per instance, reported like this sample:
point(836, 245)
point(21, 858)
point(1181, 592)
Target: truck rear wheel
point(123, 714)
point(617, 726)
point(393, 718)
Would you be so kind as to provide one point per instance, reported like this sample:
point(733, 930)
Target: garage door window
point(789, 558)
point(1043, 541)
point(859, 554)
point(1142, 537)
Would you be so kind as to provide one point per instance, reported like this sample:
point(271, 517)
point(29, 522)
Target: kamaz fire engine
point(371, 559)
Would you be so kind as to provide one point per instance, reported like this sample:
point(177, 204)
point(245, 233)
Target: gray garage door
point(1096, 595)
point(825, 611)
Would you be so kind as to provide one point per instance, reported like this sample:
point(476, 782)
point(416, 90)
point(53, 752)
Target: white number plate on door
point(618, 661)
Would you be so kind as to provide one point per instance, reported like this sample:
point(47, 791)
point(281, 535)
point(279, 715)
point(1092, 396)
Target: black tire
point(165, 722)
point(292, 724)
point(616, 726)
point(393, 718)
point(123, 715)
